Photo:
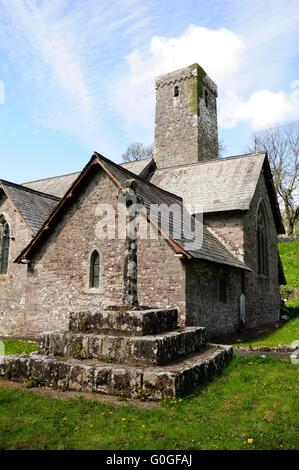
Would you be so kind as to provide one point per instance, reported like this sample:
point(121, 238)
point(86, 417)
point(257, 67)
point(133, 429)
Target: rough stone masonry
point(120, 353)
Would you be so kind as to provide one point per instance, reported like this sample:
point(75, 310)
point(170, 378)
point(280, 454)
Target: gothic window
point(176, 91)
point(222, 289)
point(262, 241)
point(4, 245)
point(94, 277)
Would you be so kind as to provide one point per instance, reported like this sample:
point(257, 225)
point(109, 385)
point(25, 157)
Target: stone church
point(52, 263)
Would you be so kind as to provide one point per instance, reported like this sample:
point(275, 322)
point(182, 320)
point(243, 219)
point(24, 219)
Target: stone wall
point(203, 306)
point(57, 282)
point(238, 231)
point(13, 285)
point(229, 228)
point(262, 293)
point(185, 125)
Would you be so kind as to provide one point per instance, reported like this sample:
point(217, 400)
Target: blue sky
point(77, 76)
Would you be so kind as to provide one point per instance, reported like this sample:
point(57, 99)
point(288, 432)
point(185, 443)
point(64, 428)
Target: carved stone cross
point(130, 296)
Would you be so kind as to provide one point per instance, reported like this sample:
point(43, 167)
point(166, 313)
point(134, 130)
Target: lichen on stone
point(196, 88)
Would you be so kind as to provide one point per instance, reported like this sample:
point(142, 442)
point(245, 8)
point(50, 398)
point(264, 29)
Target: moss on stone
point(196, 88)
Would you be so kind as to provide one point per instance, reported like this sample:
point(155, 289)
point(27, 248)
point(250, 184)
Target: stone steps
point(137, 350)
point(154, 383)
point(129, 322)
point(137, 354)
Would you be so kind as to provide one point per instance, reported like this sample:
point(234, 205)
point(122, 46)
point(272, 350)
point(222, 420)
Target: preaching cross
point(130, 297)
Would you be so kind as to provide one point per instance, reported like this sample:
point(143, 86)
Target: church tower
point(186, 118)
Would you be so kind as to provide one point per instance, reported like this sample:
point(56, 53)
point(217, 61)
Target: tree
point(138, 151)
point(282, 146)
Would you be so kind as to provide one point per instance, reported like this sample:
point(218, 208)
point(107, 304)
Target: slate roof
point(218, 185)
point(136, 167)
point(223, 184)
point(212, 249)
point(55, 186)
point(58, 185)
point(35, 207)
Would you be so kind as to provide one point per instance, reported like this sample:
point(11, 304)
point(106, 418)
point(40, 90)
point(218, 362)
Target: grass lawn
point(286, 334)
point(255, 398)
point(289, 332)
point(16, 346)
point(289, 254)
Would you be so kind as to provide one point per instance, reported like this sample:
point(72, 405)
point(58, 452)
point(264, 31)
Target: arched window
point(262, 241)
point(4, 245)
point(94, 276)
point(176, 91)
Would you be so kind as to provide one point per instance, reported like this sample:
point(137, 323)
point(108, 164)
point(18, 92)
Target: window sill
point(4, 277)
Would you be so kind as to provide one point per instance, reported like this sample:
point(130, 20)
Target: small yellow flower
point(143, 425)
point(250, 440)
point(123, 419)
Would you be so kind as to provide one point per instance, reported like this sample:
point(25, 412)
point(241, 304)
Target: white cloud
point(47, 57)
point(220, 52)
point(263, 108)
point(224, 55)
point(68, 64)
point(59, 57)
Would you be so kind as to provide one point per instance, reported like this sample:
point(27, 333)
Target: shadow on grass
point(285, 332)
point(292, 310)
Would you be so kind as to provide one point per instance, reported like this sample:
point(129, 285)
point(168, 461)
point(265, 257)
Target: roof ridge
point(96, 158)
point(34, 191)
point(138, 177)
point(219, 159)
point(51, 178)
point(77, 172)
point(110, 168)
point(133, 161)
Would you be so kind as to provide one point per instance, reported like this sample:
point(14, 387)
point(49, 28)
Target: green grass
point(289, 332)
point(16, 346)
point(289, 254)
point(285, 334)
point(254, 398)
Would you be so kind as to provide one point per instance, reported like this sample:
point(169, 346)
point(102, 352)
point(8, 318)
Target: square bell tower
point(186, 129)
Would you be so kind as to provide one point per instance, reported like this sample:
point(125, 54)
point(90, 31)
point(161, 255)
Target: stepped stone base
point(135, 350)
point(134, 354)
point(128, 322)
point(117, 379)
